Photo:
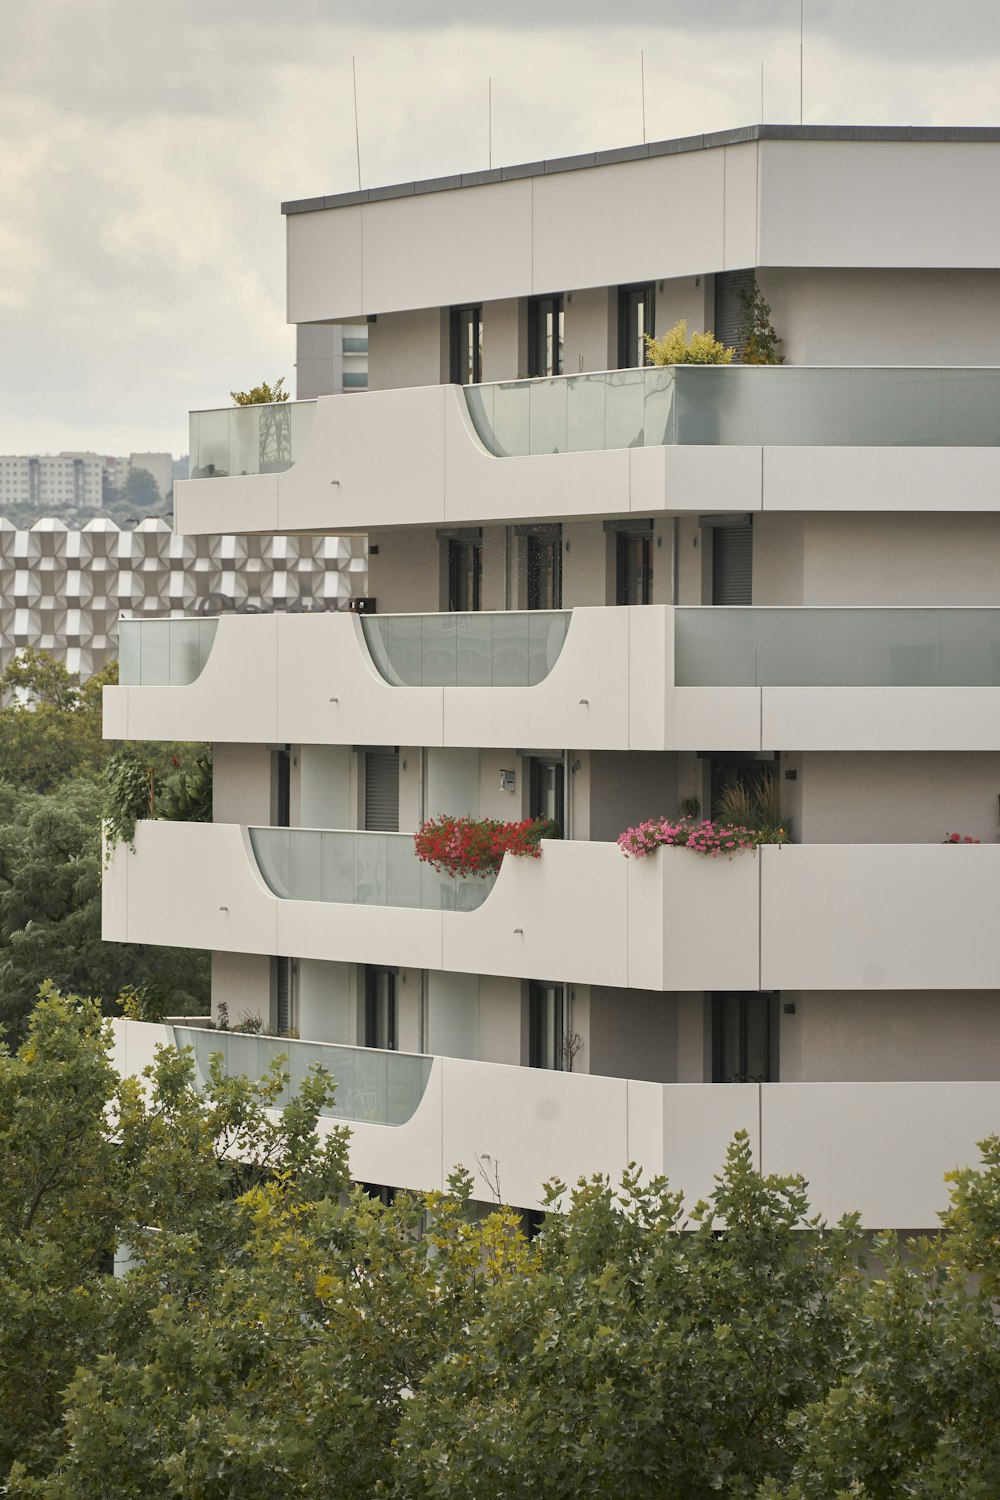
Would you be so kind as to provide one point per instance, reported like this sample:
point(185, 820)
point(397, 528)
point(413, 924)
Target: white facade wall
point(878, 945)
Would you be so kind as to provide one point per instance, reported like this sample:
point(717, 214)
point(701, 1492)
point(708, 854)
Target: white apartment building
point(51, 479)
point(599, 590)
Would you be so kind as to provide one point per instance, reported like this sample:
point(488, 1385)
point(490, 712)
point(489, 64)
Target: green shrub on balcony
point(676, 347)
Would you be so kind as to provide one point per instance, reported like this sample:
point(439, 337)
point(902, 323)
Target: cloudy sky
point(145, 150)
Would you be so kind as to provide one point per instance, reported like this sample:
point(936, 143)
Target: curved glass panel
point(249, 439)
point(770, 406)
point(382, 1088)
point(514, 649)
point(359, 869)
point(857, 647)
point(163, 653)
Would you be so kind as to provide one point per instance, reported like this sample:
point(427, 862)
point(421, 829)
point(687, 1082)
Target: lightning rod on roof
point(357, 136)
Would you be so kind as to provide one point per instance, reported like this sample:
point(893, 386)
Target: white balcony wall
point(412, 457)
point(879, 916)
point(309, 679)
point(840, 917)
point(581, 913)
point(879, 1148)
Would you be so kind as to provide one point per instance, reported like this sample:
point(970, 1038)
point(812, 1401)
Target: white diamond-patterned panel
point(62, 590)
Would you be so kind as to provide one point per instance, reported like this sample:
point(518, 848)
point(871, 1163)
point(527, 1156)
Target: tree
point(50, 723)
point(50, 912)
point(140, 491)
point(277, 1334)
point(271, 1325)
point(757, 340)
point(675, 347)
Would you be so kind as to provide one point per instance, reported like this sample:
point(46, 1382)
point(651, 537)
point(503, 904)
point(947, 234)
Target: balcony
point(580, 913)
point(879, 1148)
point(462, 680)
point(645, 678)
point(685, 440)
point(859, 917)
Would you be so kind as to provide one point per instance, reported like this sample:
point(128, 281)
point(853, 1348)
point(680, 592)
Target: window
point(546, 1025)
point(546, 789)
point(633, 567)
point(380, 1008)
point(281, 787)
point(465, 574)
point(466, 345)
point(545, 336)
point(744, 1038)
point(281, 984)
point(382, 791)
point(732, 564)
point(635, 320)
point(544, 569)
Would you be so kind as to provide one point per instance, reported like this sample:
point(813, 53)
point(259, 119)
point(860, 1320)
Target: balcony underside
point(862, 917)
point(881, 1149)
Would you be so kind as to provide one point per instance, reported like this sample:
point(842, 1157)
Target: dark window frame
point(374, 974)
point(539, 994)
point(627, 335)
point(460, 567)
point(460, 373)
point(624, 543)
point(543, 558)
point(539, 307)
point(743, 999)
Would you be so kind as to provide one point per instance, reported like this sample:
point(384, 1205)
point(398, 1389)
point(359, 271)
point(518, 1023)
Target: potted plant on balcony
point(476, 846)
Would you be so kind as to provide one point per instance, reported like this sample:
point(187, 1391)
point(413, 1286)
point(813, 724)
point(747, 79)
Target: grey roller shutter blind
point(732, 565)
point(728, 307)
point(382, 791)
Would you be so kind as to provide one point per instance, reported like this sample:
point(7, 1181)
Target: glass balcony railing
point(248, 439)
point(783, 405)
point(466, 650)
point(806, 647)
point(381, 1088)
point(163, 653)
point(358, 869)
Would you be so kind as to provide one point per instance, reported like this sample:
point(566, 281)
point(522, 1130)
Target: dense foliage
point(52, 767)
point(278, 1335)
point(710, 836)
point(476, 846)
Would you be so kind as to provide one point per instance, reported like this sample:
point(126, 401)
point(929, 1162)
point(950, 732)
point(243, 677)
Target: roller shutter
point(382, 791)
point(732, 565)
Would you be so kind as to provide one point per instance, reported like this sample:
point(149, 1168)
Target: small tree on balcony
point(677, 347)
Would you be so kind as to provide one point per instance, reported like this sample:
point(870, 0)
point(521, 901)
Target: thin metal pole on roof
point(762, 91)
point(491, 119)
point(801, 25)
point(357, 136)
point(642, 79)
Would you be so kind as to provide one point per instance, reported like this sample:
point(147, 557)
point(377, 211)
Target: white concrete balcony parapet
point(879, 1148)
point(639, 678)
point(459, 680)
point(570, 915)
point(860, 917)
point(676, 440)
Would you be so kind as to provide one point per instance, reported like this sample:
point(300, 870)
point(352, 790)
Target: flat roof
point(653, 148)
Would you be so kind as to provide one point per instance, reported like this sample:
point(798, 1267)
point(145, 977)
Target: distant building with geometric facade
point(63, 590)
